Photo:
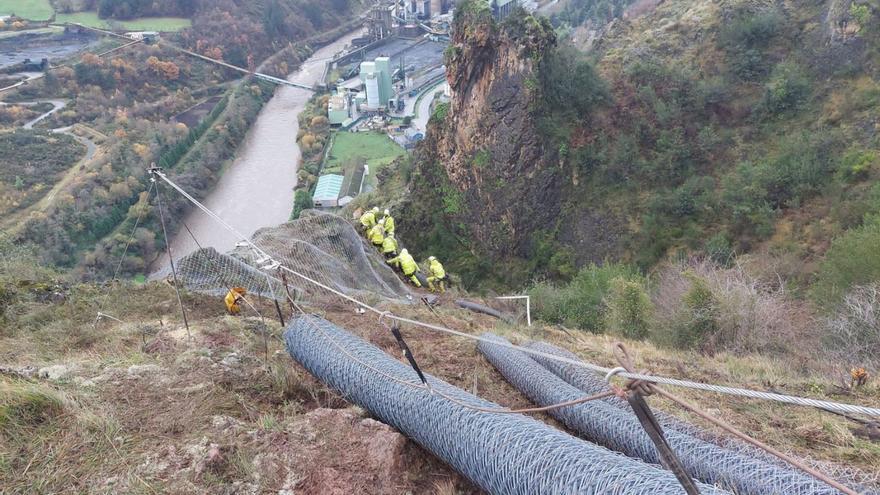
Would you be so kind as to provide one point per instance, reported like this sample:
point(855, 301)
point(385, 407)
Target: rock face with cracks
point(484, 156)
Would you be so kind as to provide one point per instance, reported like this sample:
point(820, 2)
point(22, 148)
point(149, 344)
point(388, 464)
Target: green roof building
point(327, 191)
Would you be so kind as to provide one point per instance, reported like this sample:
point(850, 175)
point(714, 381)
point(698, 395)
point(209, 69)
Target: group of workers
point(380, 233)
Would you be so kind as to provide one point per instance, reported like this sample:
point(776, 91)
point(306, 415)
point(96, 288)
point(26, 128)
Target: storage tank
point(372, 84)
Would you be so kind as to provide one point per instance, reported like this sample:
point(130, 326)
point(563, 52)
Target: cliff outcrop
point(485, 167)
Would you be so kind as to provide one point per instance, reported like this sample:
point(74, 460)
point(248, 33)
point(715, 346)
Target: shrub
point(788, 87)
point(302, 200)
point(853, 331)
point(745, 39)
point(860, 13)
point(856, 164)
point(719, 250)
point(629, 309)
point(569, 83)
point(700, 304)
point(580, 303)
point(852, 260)
point(701, 310)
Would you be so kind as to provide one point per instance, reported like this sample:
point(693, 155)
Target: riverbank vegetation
point(312, 138)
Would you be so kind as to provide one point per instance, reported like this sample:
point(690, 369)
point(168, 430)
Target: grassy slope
point(38, 10)
point(145, 422)
point(91, 19)
point(376, 149)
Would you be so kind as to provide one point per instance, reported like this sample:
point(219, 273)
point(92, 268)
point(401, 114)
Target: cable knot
point(383, 315)
point(641, 387)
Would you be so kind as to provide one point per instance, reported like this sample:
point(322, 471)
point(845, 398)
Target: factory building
point(376, 77)
point(337, 109)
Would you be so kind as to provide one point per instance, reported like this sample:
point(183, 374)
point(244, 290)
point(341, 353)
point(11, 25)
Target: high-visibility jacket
point(389, 224)
point(437, 269)
point(368, 219)
point(389, 245)
point(406, 262)
point(377, 235)
point(232, 298)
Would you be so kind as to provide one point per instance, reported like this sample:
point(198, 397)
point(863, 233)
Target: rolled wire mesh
point(621, 431)
point(501, 453)
point(590, 382)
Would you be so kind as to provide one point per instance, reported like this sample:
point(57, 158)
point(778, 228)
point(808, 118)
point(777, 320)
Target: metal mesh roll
point(501, 453)
point(619, 430)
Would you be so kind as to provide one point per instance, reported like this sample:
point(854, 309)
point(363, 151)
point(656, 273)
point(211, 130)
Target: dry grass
point(145, 431)
point(751, 314)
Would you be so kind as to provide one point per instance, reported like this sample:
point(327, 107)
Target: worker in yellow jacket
point(389, 222)
point(389, 246)
point(233, 298)
point(437, 274)
point(368, 219)
point(407, 265)
point(376, 235)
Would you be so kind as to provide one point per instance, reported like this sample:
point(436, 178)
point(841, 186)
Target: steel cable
point(619, 430)
point(503, 454)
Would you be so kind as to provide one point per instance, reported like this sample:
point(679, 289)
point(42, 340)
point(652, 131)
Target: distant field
point(38, 10)
point(91, 19)
point(349, 148)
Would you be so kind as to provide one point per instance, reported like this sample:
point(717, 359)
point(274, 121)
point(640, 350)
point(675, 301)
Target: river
point(256, 191)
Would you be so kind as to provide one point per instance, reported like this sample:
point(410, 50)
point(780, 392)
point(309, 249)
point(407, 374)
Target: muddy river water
point(256, 191)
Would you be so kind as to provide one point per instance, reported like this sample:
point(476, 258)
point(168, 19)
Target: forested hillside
point(131, 96)
point(738, 134)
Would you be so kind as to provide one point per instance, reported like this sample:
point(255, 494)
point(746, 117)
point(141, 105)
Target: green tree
point(853, 259)
point(788, 87)
point(701, 318)
point(302, 200)
point(629, 308)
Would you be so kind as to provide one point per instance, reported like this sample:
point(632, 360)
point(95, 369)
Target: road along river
point(256, 191)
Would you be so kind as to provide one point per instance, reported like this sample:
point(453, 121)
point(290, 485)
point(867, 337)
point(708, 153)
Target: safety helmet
point(375, 209)
point(387, 211)
point(431, 258)
point(382, 222)
point(404, 251)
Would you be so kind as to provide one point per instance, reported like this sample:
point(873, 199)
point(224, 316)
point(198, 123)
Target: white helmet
point(404, 251)
point(375, 209)
point(387, 211)
point(382, 221)
point(431, 258)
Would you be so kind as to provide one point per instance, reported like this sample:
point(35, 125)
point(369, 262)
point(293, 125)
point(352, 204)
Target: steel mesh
point(501, 453)
point(321, 246)
point(619, 430)
point(591, 383)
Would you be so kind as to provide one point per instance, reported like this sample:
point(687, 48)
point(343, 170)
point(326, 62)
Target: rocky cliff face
point(485, 165)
